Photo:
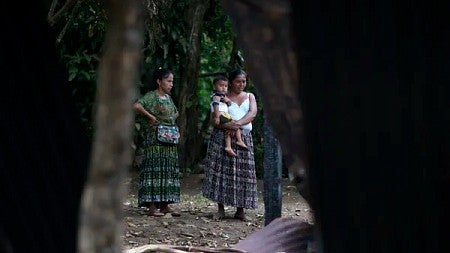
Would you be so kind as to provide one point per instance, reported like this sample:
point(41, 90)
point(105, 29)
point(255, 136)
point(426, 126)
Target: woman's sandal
point(155, 213)
point(171, 211)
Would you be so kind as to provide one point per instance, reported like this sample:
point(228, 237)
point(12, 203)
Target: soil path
point(196, 226)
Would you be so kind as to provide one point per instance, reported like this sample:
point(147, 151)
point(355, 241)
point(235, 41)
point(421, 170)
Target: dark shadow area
point(44, 152)
point(375, 93)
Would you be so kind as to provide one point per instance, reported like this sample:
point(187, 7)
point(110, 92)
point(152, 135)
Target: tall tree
point(190, 145)
point(101, 215)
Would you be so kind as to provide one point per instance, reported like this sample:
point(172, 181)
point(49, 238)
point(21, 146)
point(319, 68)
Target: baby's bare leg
point(239, 141)
point(228, 148)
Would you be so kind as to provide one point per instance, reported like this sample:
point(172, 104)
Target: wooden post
point(272, 175)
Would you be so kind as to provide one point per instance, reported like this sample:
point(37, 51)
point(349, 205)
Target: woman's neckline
point(243, 101)
point(164, 96)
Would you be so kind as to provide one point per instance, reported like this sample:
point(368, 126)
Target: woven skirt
point(159, 172)
point(230, 180)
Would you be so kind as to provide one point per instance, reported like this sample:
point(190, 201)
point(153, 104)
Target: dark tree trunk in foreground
point(264, 35)
point(373, 78)
point(101, 214)
point(272, 175)
point(190, 145)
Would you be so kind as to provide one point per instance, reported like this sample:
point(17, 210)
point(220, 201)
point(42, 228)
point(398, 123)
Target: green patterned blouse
point(164, 110)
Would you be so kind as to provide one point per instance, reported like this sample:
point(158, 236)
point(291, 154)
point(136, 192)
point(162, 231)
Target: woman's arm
point(140, 109)
point(215, 122)
point(250, 116)
point(229, 127)
point(215, 105)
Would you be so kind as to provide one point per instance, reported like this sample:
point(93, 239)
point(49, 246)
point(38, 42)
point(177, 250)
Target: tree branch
point(52, 18)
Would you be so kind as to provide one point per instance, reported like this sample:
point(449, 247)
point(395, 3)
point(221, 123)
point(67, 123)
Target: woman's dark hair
point(233, 74)
point(159, 74)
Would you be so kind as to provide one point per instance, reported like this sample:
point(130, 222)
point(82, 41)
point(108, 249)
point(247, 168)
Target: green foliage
point(82, 66)
point(217, 43)
point(79, 50)
point(164, 45)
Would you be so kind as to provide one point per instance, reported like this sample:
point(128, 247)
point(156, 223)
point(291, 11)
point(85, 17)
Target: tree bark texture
point(264, 35)
point(101, 211)
point(190, 145)
point(372, 82)
point(272, 175)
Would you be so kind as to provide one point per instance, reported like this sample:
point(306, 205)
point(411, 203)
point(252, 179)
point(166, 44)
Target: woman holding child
point(231, 180)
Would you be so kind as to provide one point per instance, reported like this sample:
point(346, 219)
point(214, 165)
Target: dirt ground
point(196, 226)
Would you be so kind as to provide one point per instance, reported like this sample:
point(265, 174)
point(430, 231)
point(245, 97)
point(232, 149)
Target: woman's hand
point(216, 121)
point(152, 119)
point(232, 126)
point(140, 109)
point(226, 101)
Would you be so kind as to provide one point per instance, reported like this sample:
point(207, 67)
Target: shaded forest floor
point(196, 226)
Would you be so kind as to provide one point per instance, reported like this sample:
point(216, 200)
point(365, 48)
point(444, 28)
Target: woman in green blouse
point(159, 172)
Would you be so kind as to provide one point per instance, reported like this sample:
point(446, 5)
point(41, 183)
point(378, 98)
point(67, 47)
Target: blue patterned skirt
point(230, 180)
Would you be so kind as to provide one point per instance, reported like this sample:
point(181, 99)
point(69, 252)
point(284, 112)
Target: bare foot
point(167, 209)
point(241, 144)
point(155, 214)
point(230, 152)
point(153, 211)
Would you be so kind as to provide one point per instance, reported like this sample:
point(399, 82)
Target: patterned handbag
point(168, 134)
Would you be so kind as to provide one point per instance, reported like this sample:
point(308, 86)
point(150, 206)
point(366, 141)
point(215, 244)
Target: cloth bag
point(168, 134)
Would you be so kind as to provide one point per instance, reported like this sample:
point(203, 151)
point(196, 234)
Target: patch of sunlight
point(131, 201)
point(197, 200)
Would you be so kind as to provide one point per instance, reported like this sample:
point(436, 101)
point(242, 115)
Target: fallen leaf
point(138, 233)
point(131, 225)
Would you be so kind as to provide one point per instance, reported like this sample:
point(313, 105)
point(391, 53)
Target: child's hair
point(219, 78)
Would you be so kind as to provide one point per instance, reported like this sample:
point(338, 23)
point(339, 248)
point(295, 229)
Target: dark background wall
point(43, 151)
point(375, 95)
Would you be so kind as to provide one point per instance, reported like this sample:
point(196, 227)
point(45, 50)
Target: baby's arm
point(216, 114)
point(226, 100)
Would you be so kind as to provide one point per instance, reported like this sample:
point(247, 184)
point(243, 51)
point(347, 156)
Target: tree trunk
point(190, 145)
point(272, 176)
point(235, 59)
point(101, 211)
point(265, 39)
